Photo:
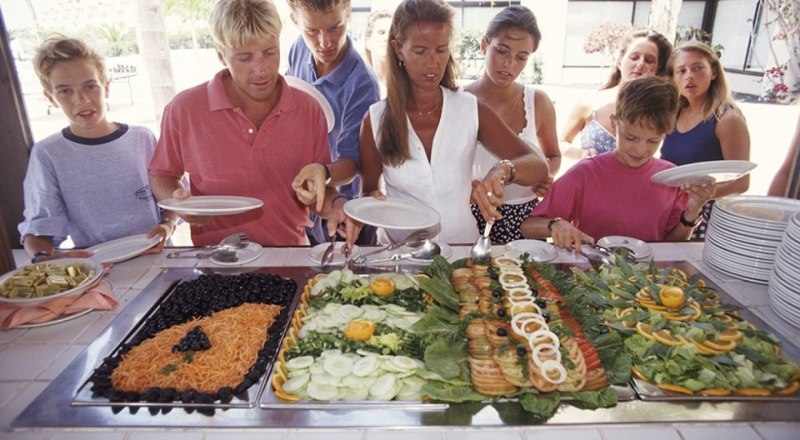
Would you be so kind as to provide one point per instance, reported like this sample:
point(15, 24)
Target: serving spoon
point(426, 251)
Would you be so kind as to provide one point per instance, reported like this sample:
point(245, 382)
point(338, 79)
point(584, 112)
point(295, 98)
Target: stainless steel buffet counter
point(30, 359)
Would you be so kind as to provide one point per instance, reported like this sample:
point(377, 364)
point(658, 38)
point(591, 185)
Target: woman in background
point(376, 40)
point(710, 126)
point(511, 39)
point(641, 53)
point(786, 182)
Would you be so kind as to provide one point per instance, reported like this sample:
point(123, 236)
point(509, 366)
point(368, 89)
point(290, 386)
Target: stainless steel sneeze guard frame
point(54, 408)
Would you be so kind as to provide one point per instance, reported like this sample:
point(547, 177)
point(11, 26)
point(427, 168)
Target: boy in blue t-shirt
point(89, 181)
point(325, 57)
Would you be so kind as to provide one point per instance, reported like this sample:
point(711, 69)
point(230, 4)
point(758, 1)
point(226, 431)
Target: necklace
point(428, 113)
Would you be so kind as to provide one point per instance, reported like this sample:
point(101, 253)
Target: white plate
point(303, 86)
point(758, 210)
point(392, 213)
point(338, 256)
point(641, 250)
point(122, 249)
point(94, 266)
point(246, 255)
point(537, 249)
point(58, 320)
point(211, 205)
point(702, 172)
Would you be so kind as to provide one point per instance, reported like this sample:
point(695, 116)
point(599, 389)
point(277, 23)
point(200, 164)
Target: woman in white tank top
point(422, 138)
point(511, 38)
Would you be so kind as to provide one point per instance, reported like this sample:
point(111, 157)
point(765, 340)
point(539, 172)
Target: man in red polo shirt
point(244, 133)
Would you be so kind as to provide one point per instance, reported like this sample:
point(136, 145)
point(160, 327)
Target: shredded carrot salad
point(236, 335)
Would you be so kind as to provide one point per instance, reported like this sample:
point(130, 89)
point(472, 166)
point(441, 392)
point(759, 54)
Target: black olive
point(546, 316)
point(502, 332)
point(541, 302)
point(497, 292)
point(521, 350)
point(501, 312)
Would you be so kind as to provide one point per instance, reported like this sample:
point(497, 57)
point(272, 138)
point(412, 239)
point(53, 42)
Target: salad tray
point(647, 391)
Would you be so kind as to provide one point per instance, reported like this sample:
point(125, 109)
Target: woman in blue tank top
point(710, 126)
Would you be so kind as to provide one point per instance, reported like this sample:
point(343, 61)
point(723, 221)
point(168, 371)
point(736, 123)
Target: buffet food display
point(509, 331)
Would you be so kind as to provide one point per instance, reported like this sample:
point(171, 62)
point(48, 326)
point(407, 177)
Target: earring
point(401, 63)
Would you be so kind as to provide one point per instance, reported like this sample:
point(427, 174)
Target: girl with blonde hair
point(710, 125)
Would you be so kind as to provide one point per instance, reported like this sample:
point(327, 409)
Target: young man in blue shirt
point(324, 56)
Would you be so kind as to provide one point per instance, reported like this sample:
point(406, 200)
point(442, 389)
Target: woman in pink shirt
point(611, 194)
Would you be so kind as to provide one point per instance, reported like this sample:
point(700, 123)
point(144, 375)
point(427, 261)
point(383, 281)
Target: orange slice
point(723, 346)
point(788, 391)
point(665, 337)
point(638, 374)
point(675, 388)
point(752, 392)
point(714, 392)
point(644, 329)
point(704, 349)
point(731, 334)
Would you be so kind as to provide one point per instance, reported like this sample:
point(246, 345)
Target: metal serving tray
point(647, 391)
point(53, 408)
point(85, 397)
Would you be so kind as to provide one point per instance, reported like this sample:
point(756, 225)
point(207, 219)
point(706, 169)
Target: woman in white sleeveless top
point(510, 40)
point(422, 137)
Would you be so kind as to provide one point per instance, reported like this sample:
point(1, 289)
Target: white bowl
point(94, 266)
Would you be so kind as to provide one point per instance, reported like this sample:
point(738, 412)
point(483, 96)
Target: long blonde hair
point(392, 139)
point(718, 99)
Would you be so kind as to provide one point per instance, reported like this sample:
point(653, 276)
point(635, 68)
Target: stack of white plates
point(744, 233)
point(784, 284)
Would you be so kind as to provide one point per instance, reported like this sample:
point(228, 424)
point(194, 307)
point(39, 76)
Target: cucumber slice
point(363, 352)
point(365, 366)
point(407, 393)
point(338, 366)
point(359, 382)
point(355, 393)
point(375, 315)
point(351, 311)
point(326, 379)
point(317, 368)
point(299, 363)
point(295, 383)
point(405, 281)
point(385, 388)
point(404, 363)
point(327, 353)
point(319, 391)
point(294, 373)
point(394, 309)
point(331, 308)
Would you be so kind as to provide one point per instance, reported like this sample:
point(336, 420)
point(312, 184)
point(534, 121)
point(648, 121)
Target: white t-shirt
point(444, 183)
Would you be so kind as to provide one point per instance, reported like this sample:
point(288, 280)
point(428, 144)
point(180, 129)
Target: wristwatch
point(552, 222)
point(690, 224)
point(512, 170)
point(327, 174)
point(35, 258)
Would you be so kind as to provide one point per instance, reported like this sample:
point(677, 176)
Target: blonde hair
point(58, 49)
point(237, 23)
point(650, 101)
point(393, 128)
point(718, 99)
point(371, 20)
point(318, 5)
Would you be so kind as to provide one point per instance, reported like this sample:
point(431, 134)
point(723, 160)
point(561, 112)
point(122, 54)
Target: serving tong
point(224, 251)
